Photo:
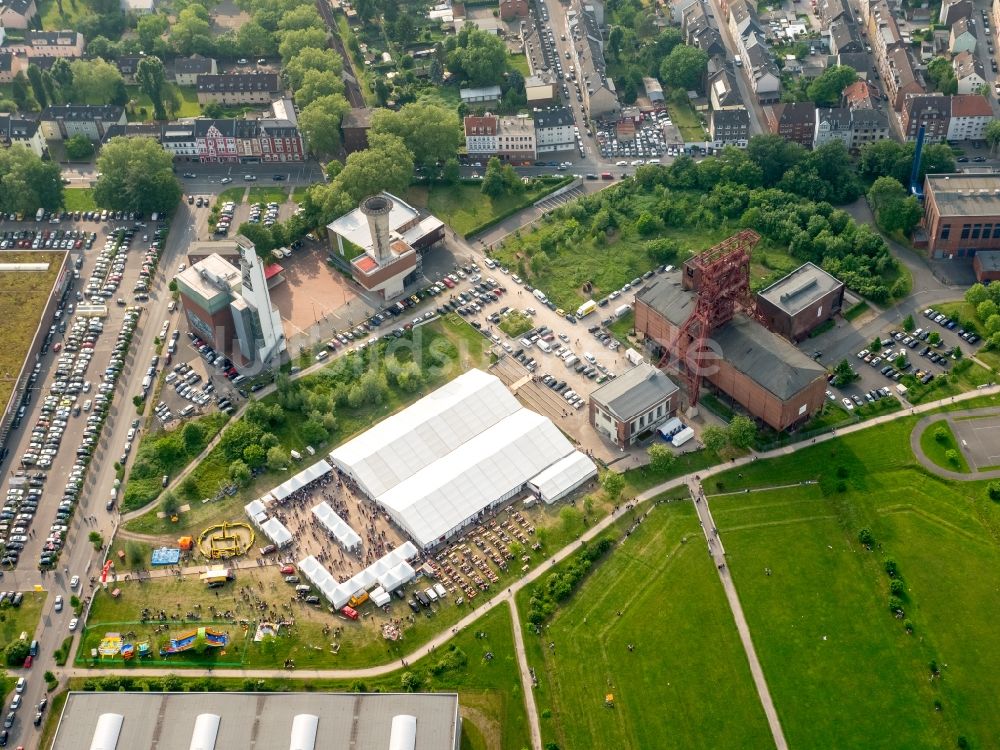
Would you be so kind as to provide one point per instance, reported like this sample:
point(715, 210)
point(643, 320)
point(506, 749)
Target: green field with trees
point(939, 445)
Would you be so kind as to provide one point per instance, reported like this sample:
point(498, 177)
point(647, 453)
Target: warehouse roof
point(964, 194)
point(765, 357)
point(989, 260)
point(801, 288)
point(633, 392)
point(236, 721)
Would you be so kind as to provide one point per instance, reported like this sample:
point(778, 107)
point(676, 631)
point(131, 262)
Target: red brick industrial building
point(961, 214)
point(795, 305)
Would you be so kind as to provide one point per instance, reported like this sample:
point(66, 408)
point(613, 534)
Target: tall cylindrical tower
point(377, 208)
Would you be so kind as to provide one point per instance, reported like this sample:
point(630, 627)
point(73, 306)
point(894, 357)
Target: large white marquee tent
point(336, 526)
point(466, 447)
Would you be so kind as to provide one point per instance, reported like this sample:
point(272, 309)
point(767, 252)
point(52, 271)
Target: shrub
point(866, 537)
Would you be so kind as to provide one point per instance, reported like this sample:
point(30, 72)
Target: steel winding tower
point(720, 277)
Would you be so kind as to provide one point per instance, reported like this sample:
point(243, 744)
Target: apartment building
point(855, 128)
point(969, 72)
point(61, 122)
point(793, 121)
point(510, 138)
point(729, 127)
point(600, 99)
point(238, 88)
point(970, 114)
point(932, 111)
point(17, 131)
point(554, 129)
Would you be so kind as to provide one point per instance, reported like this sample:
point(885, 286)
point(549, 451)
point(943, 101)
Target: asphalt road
point(208, 176)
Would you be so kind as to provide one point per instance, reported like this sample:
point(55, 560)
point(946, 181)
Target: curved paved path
point(918, 451)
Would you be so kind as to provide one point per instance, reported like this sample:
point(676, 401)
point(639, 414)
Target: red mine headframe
point(720, 277)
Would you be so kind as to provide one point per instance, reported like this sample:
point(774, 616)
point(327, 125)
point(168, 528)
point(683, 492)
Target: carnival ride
point(200, 638)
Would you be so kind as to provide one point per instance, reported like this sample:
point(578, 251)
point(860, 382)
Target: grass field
point(686, 680)
point(53, 20)
point(23, 619)
point(935, 449)
point(842, 670)
point(234, 194)
point(964, 376)
point(445, 348)
point(189, 103)
point(463, 206)
point(266, 195)
point(687, 122)
point(299, 193)
point(519, 63)
point(22, 299)
point(622, 327)
point(490, 695)
point(79, 199)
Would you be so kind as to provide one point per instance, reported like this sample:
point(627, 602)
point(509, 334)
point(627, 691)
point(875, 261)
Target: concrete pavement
point(918, 451)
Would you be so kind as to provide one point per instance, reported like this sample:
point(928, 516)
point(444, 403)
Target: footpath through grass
point(842, 669)
point(686, 678)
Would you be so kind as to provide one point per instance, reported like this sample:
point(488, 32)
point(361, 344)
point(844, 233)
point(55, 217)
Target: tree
point(714, 438)
point(134, 554)
point(169, 504)
point(875, 345)
point(254, 40)
point(311, 58)
point(977, 293)
point(451, 171)
point(895, 210)
point(934, 339)
point(826, 90)
point(992, 135)
point(986, 309)
point(938, 158)
point(661, 458)
point(410, 682)
point(908, 324)
point(320, 123)
point(993, 490)
point(385, 165)
point(296, 40)
point(255, 456)
point(193, 437)
point(942, 76)
point(150, 28)
point(866, 538)
point(942, 435)
point(478, 58)
point(21, 91)
point(16, 652)
point(79, 147)
point(301, 17)
point(152, 80)
point(192, 31)
point(136, 175)
point(239, 473)
point(277, 458)
point(27, 183)
point(951, 456)
point(742, 432)
point(431, 132)
point(493, 183)
point(684, 68)
point(316, 84)
point(37, 87)
point(613, 483)
point(774, 155)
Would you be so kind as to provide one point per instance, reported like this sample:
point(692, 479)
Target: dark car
point(189, 175)
point(278, 178)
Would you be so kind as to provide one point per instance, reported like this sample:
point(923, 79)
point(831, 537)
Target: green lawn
point(964, 376)
point(465, 209)
point(515, 323)
point(856, 310)
point(79, 199)
point(299, 193)
point(22, 298)
point(962, 311)
point(266, 195)
point(53, 20)
point(935, 448)
point(686, 120)
point(234, 194)
point(622, 327)
point(189, 104)
point(444, 349)
point(519, 63)
point(842, 670)
point(24, 619)
point(687, 678)
point(489, 690)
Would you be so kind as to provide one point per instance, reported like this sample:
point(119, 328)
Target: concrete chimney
point(377, 208)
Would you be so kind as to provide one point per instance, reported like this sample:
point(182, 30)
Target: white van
point(296, 455)
point(544, 345)
point(571, 361)
point(188, 410)
point(540, 295)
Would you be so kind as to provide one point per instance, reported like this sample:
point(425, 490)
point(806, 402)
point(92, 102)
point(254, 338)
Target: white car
point(74, 582)
point(848, 404)
point(73, 623)
point(59, 603)
point(226, 180)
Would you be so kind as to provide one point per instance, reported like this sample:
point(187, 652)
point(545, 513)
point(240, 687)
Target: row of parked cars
point(944, 321)
point(54, 239)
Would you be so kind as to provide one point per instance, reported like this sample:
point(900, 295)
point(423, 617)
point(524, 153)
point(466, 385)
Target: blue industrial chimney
point(916, 184)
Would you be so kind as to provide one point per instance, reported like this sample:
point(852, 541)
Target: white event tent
point(347, 537)
point(276, 532)
point(305, 477)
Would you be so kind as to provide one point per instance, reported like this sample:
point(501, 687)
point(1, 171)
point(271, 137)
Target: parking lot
point(76, 378)
point(649, 143)
point(980, 441)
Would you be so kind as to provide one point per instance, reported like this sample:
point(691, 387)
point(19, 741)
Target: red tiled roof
point(272, 270)
point(366, 264)
point(970, 105)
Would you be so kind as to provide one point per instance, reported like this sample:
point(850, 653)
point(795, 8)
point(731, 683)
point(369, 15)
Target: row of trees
point(27, 183)
point(985, 300)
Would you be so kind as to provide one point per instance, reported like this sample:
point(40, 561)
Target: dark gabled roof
point(6, 61)
point(84, 112)
point(634, 392)
point(731, 117)
point(237, 82)
point(18, 6)
point(128, 64)
point(51, 38)
point(16, 128)
point(839, 118)
point(193, 64)
point(554, 117)
point(872, 118)
point(357, 117)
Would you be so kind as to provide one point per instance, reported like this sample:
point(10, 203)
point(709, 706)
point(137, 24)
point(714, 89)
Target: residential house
point(128, 65)
point(187, 69)
point(512, 9)
point(952, 10)
point(833, 124)
point(17, 14)
point(861, 62)
point(861, 95)
point(554, 129)
point(723, 92)
point(970, 114)
point(832, 10)
point(481, 134)
point(963, 36)
point(238, 88)
point(700, 29)
point(843, 37)
point(516, 139)
point(15, 130)
point(600, 99)
point(902, 81)
point(868, 126)
point(762, 72)
point(933, 111)
point(247, 141)
point(793, 121)
point(61, 122)
point(969, 72)
point(68, 44)
point(354, 129)
point(729, 127)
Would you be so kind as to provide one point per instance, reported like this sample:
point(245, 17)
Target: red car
point(349, 612)
point(28, 660)
point(288, 570)
point(448, 282)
